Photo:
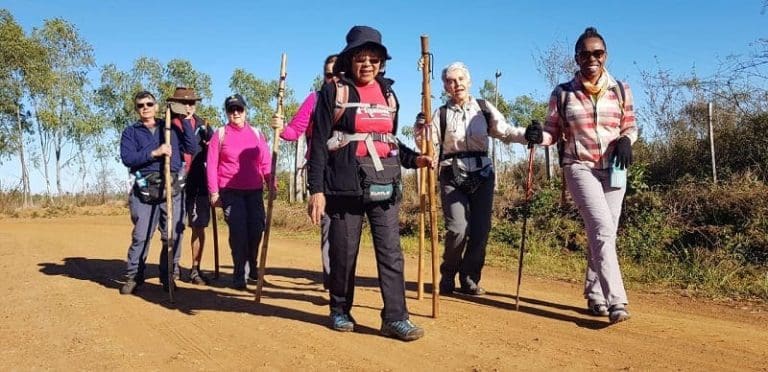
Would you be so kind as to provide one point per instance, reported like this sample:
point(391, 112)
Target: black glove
point(622, 154)
point(206, 133)
point(534, 134)
point(421, 120)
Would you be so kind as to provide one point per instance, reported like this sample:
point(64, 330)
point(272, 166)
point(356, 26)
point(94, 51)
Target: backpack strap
point(618, 90)
point(342, 99)
point(485, 110)
point(443, 124)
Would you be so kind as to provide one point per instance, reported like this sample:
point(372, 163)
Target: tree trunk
point(26, 192)
point(43, 153)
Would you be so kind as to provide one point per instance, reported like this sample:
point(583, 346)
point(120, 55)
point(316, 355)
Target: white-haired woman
point(461, 129)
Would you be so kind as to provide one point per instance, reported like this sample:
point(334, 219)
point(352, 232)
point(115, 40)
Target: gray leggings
point(600, 208)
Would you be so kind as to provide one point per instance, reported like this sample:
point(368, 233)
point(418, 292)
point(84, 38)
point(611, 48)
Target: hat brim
point(357, 45)
point(178, 108)
point(234, 104)
point(184, 99)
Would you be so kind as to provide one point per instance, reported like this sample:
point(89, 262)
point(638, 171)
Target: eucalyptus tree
point(23, 71)
point(63, 108)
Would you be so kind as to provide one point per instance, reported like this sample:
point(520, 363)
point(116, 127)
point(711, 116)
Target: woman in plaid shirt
point(593, 115)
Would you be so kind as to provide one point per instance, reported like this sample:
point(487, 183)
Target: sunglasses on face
point(140, 106)
point(329, 75)
point(232, 110)
point(371, 60)
point(585, 54)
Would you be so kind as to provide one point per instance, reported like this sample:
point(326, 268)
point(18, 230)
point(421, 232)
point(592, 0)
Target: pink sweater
point(242, 162)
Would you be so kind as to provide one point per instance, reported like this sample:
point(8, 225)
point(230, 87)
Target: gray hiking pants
point(600, 208)
point(467, 224)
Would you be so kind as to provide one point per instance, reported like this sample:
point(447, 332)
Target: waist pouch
point(380, 186)
point(150, 188)
point(469, 182)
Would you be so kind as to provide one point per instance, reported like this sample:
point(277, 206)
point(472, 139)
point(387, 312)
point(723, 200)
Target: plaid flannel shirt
point(592, 127)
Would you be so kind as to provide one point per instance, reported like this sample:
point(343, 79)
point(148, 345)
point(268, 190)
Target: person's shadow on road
point(191, 300)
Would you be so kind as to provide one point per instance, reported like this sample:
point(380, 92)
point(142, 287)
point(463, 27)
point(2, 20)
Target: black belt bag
point(469, 182)
point(380, 186)
point(150, 188)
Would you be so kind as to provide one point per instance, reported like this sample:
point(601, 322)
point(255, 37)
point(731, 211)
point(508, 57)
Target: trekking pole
point(528, 193)
point(169, 203)
point(426, 108)
point(215, 243)
point(272, 192)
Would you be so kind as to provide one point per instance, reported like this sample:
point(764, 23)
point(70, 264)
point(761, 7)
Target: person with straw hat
point(196, 202)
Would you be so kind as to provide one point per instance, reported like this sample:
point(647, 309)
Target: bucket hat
point(359, 36)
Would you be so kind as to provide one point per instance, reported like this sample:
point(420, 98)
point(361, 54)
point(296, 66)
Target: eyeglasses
point(140, 106)
point(329, 75)
point(371, 60)
point(597, 53)
point(232, 110)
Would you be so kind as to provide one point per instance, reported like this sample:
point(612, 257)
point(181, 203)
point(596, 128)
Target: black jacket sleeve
point(321, 130)
point(407, 156)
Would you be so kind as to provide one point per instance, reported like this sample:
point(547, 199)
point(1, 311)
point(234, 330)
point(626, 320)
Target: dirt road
point(61, 310)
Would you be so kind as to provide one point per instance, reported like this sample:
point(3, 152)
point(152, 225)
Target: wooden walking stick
point(421, 180)
point(169, 203)
point(426, 108)
point(272, 192)
point(215, 243)
point(528, 193)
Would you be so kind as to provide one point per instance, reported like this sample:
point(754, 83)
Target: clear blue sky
point(217, 37)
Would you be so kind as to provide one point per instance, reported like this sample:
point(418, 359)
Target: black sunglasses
point(329, 75)
point(371, 60)
point(585, 54)
point(140, 106)
point(233, 109)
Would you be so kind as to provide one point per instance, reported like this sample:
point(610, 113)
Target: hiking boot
point(470, 287)
point(447, 286)
point(196, 277)
point(618, 313)
point(342, 322)
point(129, 286)
point(597, 308)
point(166, 288)
point(472, 291)
point(402, 329)
point(239, 285)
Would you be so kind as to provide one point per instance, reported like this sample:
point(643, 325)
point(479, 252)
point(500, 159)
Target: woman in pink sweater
point(300, 124)
point(239, 165)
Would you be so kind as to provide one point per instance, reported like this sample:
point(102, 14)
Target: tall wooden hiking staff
point(215, 243)
point(169, 203)
point(215, 240)
point(426, 108)
point(526, 212)
point(272, 192)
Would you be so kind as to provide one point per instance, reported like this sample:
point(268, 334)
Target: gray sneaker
point(342, 322)
point(618, 313)
point(402, 329)
point(597, 308)
point(196, 277)
point(129, 286)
